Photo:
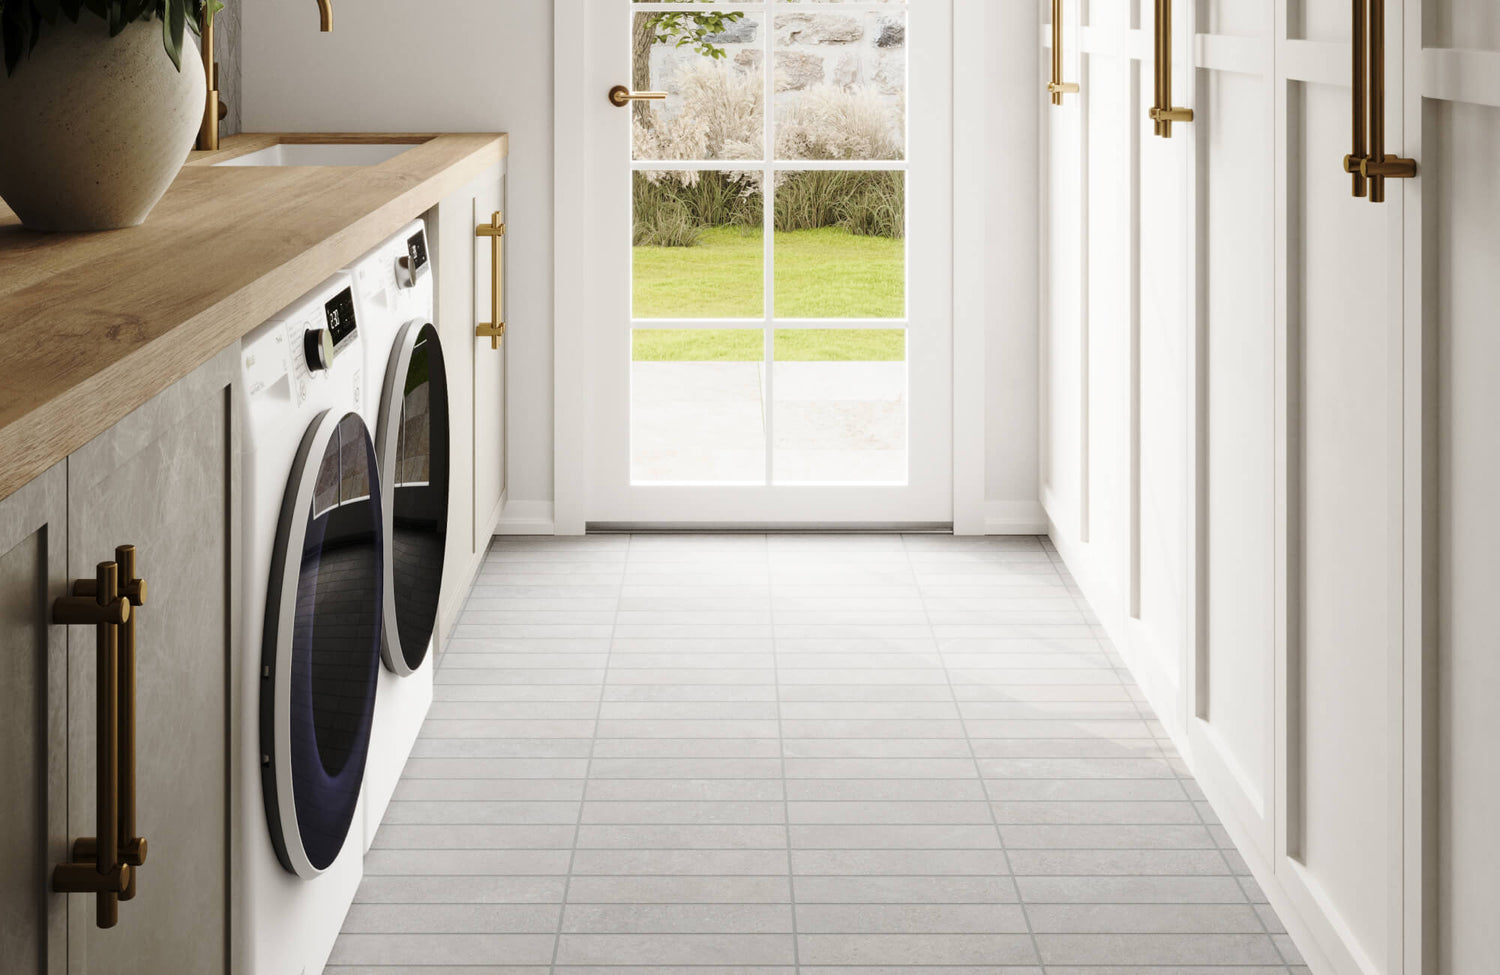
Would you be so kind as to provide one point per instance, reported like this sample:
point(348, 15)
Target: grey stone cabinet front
point(159, 480)
point(476, 374)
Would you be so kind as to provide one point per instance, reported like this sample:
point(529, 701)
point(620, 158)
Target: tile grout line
point(786, 806)
point(1149, 716)
point(989, 805)
point(588, 764)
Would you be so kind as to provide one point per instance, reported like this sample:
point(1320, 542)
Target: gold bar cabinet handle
point(96, 866)
point(494, 329)
point(1057, 88)
point(1374, 167)
point(620, 96)
point(1164, 113)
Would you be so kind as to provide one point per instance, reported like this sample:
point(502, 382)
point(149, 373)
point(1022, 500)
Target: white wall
point(1013, 224)
point(460, 65)
point(487, 65)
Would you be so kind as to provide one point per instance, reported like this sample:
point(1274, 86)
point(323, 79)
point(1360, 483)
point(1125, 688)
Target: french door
point(768, 263)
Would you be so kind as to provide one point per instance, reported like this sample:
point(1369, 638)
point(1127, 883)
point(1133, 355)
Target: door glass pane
point(840, 244)
point(840, 406)
point(698, 246)
point(696, 413)
point(711, 65)
point(841, 84)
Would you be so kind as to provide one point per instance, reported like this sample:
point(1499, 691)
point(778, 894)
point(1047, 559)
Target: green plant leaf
point(173, 23)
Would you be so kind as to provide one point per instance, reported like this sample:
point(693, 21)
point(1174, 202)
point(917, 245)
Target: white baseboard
point(1014, 518)
point(526, 518)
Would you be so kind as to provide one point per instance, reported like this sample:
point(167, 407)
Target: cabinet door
point(489, 371)
point(160, 480)
point(476, 383)
point(33, 715)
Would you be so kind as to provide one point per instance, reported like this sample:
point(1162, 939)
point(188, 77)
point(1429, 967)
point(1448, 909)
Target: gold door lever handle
point(494, 329)
point(620, 96)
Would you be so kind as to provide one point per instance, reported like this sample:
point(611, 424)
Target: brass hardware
point(1368, 163)
point(215, 110)
point(104, 864)
point(1057, 88)
point(620, 96)
point(1163, 113)
point(494, 329)
point(208, 129)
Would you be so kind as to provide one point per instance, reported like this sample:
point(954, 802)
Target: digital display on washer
point(339, 310)
point(416, 251)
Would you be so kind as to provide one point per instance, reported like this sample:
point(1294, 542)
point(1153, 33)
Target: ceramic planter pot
point(94, 128)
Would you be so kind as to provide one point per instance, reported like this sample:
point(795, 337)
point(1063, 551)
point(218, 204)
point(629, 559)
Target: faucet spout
point(325, 15)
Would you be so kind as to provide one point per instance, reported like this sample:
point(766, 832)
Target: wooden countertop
point(94, 325)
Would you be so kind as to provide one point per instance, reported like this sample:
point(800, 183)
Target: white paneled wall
point(1269, 451)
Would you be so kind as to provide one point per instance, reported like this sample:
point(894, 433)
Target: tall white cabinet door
point(1157, 514)
point(1115, 477)
point(1452, 348)
point(161, 480)
point(1064, 476)
point(489, 369)
point(33, 725)
point(1339, 470)
point(1234, 372)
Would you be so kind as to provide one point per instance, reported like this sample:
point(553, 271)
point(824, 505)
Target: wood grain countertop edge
point(54, 422)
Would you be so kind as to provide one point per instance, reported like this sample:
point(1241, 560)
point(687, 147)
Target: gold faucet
point(213, 109)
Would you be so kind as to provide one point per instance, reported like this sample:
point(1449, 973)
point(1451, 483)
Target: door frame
point(573, 401)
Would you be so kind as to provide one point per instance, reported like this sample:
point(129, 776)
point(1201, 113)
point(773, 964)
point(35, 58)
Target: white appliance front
point(312, 544)
point(407, 407)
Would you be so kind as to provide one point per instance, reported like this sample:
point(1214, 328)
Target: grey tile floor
point(831, 755)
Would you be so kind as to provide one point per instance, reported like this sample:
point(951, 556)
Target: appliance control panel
point(338, 314)
point(414, 263)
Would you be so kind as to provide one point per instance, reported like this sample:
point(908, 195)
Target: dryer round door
point(412, 442)
point(321, 650)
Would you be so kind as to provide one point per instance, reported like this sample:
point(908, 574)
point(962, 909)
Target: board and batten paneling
point(1235, 452)
point(1453, 348)
point(1065, 421)
point(1115, 346)
point(1322, 604)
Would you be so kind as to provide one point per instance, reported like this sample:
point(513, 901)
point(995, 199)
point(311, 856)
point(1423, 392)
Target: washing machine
point(312, 609)
point(407, 407)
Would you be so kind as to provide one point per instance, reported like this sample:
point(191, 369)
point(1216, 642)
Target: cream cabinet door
point(476, 381)
point(489, 366)
point(1452, 350)
point(33, 725)
point(161, 480)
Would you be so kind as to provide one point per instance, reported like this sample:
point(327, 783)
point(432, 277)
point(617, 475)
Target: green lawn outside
point(748, 345)
point(824, 273)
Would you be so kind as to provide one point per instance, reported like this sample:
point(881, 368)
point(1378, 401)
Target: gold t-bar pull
point(96, 866)
point(1057, 87)
point(494, 329)
point(1368, 163)
point(1164, 113)
point(620, 96)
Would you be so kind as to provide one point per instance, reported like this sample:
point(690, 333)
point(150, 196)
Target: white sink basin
point(327, 154)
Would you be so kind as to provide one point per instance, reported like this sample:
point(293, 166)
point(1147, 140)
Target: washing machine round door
point(321, 651)
point(412, 443)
